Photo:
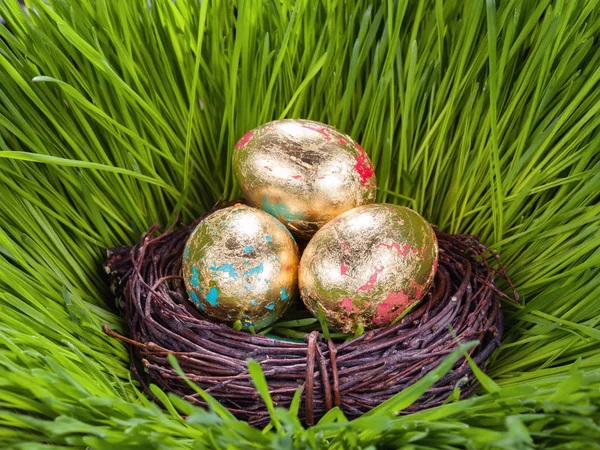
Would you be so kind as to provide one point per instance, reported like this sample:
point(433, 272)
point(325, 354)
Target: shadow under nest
point(462, 305)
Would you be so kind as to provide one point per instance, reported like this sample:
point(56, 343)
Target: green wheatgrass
point(483, 120)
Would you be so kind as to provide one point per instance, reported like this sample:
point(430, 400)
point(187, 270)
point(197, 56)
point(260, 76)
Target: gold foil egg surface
point(240, 263)
point(368, 265)
point(304, 173)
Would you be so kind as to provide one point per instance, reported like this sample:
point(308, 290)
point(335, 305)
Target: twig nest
point(240, 263)
point(356, 375)
point(304, 173)
point(368, 265)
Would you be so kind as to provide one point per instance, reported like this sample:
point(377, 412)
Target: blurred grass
point(483, 116)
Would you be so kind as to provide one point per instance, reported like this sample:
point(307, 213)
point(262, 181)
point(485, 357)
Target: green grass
point(483, 116)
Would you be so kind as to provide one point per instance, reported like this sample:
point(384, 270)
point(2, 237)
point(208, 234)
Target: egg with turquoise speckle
point(240, 263)
point(303, 172)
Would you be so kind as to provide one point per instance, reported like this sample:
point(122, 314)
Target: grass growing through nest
point(484, 117)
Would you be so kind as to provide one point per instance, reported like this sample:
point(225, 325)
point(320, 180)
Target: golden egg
point(304, 173)
point(368, 265)
point(241, 263)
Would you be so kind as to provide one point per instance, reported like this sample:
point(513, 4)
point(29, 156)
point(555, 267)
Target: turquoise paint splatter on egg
point(212, 296)
point(270, 305)
point(227, 268)
point(249, 287)
point(253, 302)
point(195, 280)
point(255, 270)
point(269, 238)
point(187, 253)
point(276, 258)
point(196, 300)
point(279, 210)
point(248, 249)
point(284, 294)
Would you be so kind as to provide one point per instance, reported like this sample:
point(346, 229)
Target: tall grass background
point(482, 115)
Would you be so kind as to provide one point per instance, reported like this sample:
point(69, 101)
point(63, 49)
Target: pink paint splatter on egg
point(369, 285)
point(345, 246)
point(363, 166)
point(296, 177)
point(418, 291)
point(244, 140)
point(326, 132)
point(348, 305)
point(343, 268)
point(412, 282)
point(395, 246)
point(342, 141)
point(394, 304)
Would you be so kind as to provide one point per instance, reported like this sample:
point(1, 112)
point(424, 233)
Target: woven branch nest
point(356, 375)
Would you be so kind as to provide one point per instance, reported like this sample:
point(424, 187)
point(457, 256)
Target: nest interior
point(462, 305)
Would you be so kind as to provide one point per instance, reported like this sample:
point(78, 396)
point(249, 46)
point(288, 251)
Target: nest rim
point(146, 282)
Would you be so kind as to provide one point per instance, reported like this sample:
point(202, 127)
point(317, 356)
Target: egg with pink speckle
point(366, 266)
point(241, 263)
point(303, 172)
